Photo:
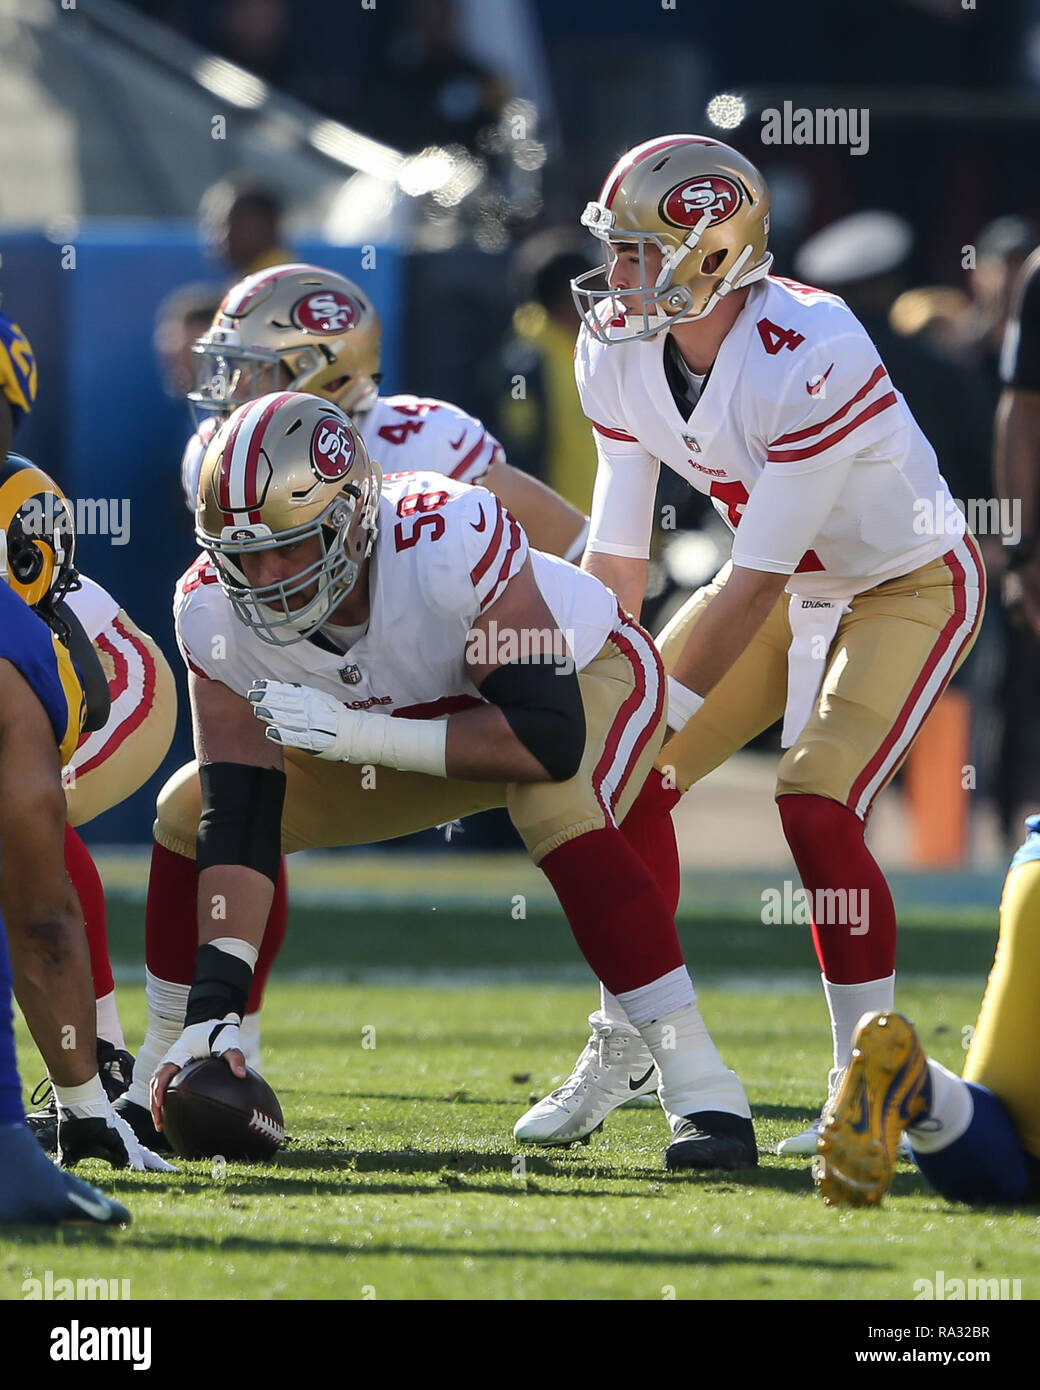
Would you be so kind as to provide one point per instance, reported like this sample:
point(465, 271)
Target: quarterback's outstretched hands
point(216, 1037)
point(300, 717)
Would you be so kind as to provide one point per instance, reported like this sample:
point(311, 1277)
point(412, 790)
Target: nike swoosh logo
point(640, 1081)
point(483, 521)
point(815, 386)
point(458, 443)
point(97, 1210)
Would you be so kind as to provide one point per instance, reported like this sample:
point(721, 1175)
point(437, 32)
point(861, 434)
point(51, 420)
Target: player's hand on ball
point(300, 717)
point(216, 1037)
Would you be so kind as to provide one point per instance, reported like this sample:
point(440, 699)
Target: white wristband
point(683, 704)
point(409, 745)
point(577, 546)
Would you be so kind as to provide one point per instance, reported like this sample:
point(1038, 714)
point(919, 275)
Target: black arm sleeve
point(542, 702)
point(1020, 357)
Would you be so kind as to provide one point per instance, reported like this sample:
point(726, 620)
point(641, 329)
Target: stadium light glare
point(426, 171)
point(231, 83)
point(726, 111)
point(356, 151)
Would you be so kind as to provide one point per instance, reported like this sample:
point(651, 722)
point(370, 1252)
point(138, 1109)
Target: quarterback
point(839, 609)
point(347, 687)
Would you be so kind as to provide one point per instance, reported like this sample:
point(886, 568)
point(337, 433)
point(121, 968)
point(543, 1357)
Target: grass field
point(402, 1180)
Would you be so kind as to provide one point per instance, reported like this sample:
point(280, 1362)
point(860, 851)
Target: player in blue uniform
point(52, 687)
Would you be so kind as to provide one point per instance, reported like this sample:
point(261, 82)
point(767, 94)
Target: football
point(209, 1111)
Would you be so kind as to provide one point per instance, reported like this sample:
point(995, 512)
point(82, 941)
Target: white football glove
point(118, 1144)
point(212, 1038)
point(300, 717)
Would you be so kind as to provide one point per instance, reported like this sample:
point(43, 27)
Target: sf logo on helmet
point(686, 203)
point(325, 311)
point(332, 450)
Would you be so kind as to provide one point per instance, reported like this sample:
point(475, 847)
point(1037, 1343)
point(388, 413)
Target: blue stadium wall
point(105, 428)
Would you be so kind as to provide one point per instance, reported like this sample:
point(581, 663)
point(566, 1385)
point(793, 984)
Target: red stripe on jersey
point(615, 434)
point(432, 709)
point(617, 728)
point(140, 711)
point(876, 375)
point(793, 455)
point(120, 680)
point(460, 468)
point(625, 166)
point(960, 607)
point(478, 571)
point(515, 537)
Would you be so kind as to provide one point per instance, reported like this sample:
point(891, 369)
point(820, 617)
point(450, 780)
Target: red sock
point(649, 830)
point(826, 840)
point(86, 880)
point(617, 913)
point(274, 935)
point(171, 934)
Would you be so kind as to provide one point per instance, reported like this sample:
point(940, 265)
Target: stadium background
point(457, 142)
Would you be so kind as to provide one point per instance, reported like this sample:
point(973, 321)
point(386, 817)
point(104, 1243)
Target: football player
point(976, 1138)
point(347, 689)
point(53, 688)
point(302, 328)
point(854, 590)
point(109, 763)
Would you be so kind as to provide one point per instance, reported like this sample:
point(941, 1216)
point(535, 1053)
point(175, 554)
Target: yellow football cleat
point(884, 1090)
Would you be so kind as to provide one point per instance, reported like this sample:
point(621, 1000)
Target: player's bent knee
point(178, 809)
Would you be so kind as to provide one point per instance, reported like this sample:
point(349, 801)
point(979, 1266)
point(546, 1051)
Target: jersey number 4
point(397, 434)
point(773, 338)
point(416, 508)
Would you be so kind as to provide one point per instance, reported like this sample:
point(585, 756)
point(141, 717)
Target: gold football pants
point(891, 659)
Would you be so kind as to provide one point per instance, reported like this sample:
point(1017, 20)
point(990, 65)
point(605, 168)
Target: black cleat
point(139, 1118)
point(34, 1191)
point(713, 1139)
point(116, 1070)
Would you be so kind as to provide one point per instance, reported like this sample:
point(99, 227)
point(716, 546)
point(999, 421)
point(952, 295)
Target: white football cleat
point(615, 1068)
point(804, 1145)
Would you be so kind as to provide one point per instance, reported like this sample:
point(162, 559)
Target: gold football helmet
point(37, 537)
point(290, 328)
point(691, 198)
point(280, 470)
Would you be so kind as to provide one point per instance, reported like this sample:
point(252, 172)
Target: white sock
point(693, 1075)
point(250, 1035)
point(661, 997)
point(848, 1004)
point(612, 1010)
point(167, 1003)
point(950, 1115)
point(108, 1025)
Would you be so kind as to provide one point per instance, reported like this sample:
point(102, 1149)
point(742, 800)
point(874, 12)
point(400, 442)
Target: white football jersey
point(798, 395)
point(444, 554)
point(401, 433)
point(93, 606)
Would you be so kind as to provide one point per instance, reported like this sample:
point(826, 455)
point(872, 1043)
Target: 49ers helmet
point(291, 327)
point(37, 537)
point(690, 197)
point(280, 470)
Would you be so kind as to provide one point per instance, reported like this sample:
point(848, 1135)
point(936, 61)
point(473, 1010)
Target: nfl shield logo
point(350, 675)
point(691, 443)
